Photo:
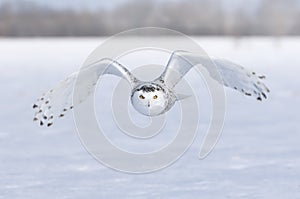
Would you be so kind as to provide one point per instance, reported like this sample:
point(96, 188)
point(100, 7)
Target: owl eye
point(141, 97)
point(155, 97)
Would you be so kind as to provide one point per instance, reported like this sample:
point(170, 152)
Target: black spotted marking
point(49, 124)
point(249, 94)
point(162, 81)
point(235, 88)
point(42, 98)
point(71, 107)
point(35, 119)
point(61, 115)
point(147, 88)
point(259, 98)
point(45, 117)
point(47, 102)
point(262, 77)
point(41, 123)
point(253, 73)
point(65, 109)
point(40, 111)
point(51, 117)
point(264, 95)
point(35, 106)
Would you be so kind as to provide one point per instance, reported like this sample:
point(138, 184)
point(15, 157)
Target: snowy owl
point(149, 98)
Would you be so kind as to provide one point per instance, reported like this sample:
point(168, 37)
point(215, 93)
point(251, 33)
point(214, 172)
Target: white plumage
point(149, 98)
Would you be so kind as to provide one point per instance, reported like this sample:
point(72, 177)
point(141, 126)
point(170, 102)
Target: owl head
point(149, 99)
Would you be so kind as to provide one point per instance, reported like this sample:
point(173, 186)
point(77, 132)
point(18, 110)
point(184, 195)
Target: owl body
point(148, 98)
point(152, 98)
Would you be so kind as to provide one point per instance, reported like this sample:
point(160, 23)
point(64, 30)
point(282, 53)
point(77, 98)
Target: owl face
point(149, 99)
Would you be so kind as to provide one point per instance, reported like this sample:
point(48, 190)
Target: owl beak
point(148, 104)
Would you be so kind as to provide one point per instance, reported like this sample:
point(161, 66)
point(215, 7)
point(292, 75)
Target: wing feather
point(225, 72)
point(57, 101)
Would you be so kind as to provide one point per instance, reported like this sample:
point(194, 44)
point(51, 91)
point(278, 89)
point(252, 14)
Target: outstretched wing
point(57, 101)
point(225, 72)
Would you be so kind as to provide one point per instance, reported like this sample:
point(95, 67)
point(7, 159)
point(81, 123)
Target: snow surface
point(257, 155)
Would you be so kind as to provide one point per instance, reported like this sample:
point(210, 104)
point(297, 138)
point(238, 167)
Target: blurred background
point(81, 18)
point(257, 156)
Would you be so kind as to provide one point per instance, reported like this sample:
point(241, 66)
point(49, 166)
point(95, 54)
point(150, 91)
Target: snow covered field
point(257, 155)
